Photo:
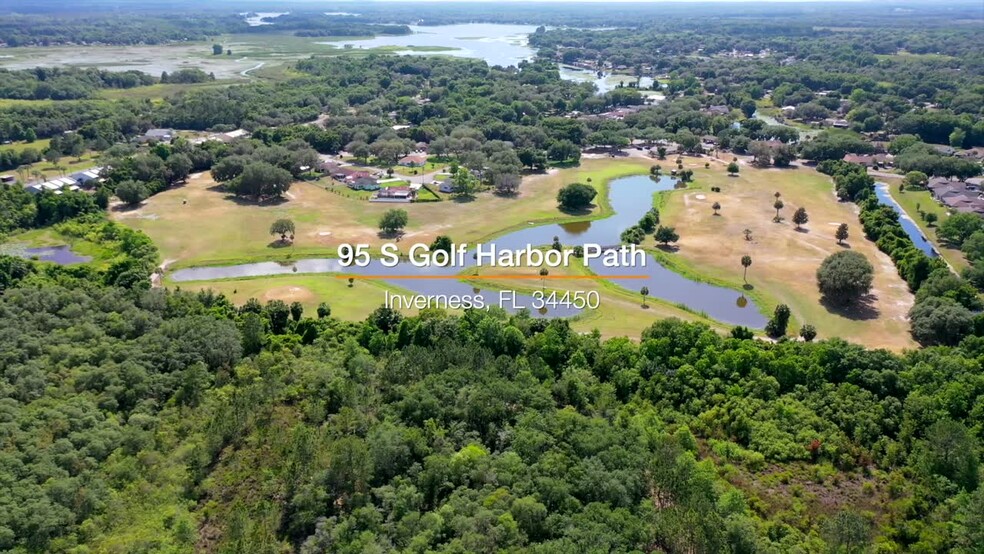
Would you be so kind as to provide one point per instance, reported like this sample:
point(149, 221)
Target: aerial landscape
point(464, 276)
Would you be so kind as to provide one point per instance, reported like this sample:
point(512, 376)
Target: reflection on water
point(909, 226)
point(630, 199)
point(61, 255)
point(576, 228)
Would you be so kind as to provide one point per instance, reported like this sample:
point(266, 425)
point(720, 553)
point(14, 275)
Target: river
point(630, 199)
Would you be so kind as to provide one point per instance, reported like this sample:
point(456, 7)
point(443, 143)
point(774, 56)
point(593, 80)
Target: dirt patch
point(289, 294)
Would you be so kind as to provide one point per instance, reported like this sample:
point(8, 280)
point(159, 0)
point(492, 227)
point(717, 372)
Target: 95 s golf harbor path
point(489, 255)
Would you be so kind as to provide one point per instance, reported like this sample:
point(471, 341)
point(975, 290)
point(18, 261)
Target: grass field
point(621, 312)
point(161, 91)
point(65, 166)
point(784, 260)
point(429, 167)
point(12, 102)
point(41, 145)
point(349, 303)
point(197, 224)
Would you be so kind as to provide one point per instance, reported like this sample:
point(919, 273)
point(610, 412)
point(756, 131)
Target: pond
point(630, 199)
point(910, 227)
point(607, 82)
point(61, 255)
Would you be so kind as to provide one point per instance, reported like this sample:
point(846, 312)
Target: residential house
point(413, 160)
point(328, 167)
point(836, 123)
point(158, 135)
point(959, 196)
point(717, 110)
point(364, 183)
point(347, 174)
point(7, 179)
point(394, 194)
point(870, 160)
point(87, 177)
point(354, 175)
point(56, 186)
point(974, 154)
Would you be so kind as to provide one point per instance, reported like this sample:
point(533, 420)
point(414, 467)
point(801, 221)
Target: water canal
point(910, 227)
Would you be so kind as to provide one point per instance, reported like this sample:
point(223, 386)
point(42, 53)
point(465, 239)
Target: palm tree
point(716, 207)
point(746, 261)
point(644, 292)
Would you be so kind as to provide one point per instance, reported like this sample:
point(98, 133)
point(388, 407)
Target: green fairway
point(784, 260)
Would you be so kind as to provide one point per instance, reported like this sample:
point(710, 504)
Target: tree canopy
point(845, 277)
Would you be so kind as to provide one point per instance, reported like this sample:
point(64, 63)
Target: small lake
point(910, 227)
point(630, 199)
point(496, 44)
point(61, 255)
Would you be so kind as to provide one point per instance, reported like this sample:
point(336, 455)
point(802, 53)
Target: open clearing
point(348, 303)
point(784, 260)
point(198, 224)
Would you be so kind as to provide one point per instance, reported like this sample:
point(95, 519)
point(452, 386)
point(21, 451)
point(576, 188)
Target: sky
point(645, 1)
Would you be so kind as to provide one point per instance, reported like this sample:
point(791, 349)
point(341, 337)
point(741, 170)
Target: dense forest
point(112, 28)
point(820, 73)
point(43, 83)
point(167, 421)
point(151, 28)
point(630, 15)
